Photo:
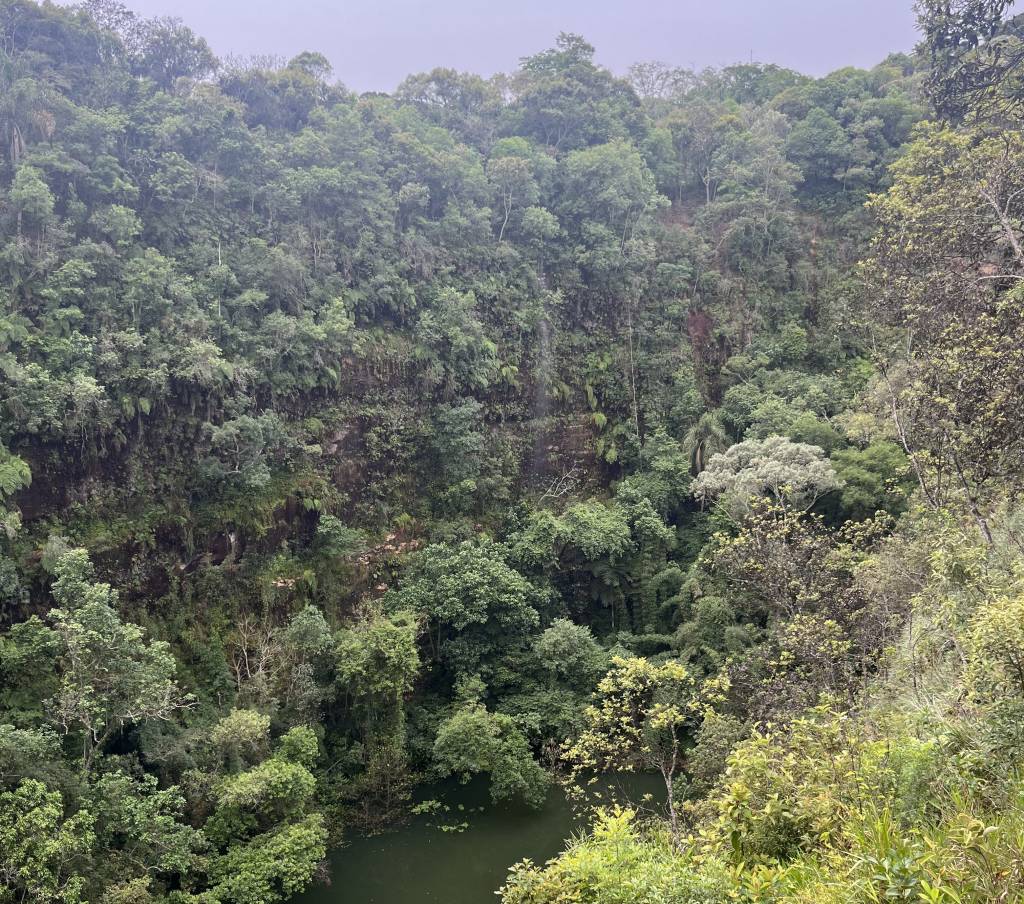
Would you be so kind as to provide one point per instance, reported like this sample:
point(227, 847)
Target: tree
point(776, 468)
point(873, 479)
point(461, 102)
point(475, 601)
point(274, 791)
point(975, 59)
point(377, 664)
point(474, 740)
point(641, 718)
point(997, 648)
point(241, 739)
point(463, 355)
point(654, 80)
point(562, 99)
point(168, 50)
point(273, 867)
point(41, 849)
point(570, 653)
point(32, 199)
point(701, 135)
point(141, 830)
point(15, 475)
point(377, 657)
point(607, 202)
point(29, 654)
point(309, 670)
point(947, 264)
point(705, 439)
point(269, 839)
point(791, 563)
point(820, 146)
point(510, 170)
point(110, 676)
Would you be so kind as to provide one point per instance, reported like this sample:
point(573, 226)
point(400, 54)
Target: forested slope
point(348, 441)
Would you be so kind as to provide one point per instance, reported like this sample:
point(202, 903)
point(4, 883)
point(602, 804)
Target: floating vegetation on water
point(427, 807)
point(455, 827)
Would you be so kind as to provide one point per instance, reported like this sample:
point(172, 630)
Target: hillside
point(520, 426)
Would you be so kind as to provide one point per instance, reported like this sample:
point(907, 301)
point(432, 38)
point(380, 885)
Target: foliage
point(949, 247)
point(570, 652)
point(776, 468)
point(475, 602)
point(399, 421)
point(474, 740)
point(639, 721)
point(109, 676)
point(901, 784)
point(40, 846)
point(619, 862)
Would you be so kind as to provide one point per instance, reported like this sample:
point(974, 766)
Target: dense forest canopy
point(526, 427)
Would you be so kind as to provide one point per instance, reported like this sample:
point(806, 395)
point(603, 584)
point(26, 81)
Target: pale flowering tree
point(793, 474)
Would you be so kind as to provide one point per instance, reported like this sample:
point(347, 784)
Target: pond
point(421, 863)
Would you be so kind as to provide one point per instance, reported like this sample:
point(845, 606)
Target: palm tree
point(704, 439)
point(22, 103)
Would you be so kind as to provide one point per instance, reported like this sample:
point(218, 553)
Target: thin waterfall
point(541, 395)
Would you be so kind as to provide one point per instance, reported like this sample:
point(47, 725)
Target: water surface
point(419, 863)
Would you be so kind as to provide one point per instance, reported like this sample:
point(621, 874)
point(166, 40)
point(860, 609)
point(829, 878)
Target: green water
point(419, 863)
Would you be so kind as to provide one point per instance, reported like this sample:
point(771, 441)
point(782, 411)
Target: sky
point(374, 44)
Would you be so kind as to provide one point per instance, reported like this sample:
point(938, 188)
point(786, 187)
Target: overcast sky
point(374, 44)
